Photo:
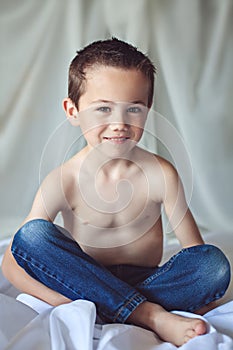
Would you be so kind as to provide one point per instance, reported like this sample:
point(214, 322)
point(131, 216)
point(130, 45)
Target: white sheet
point(72, 327)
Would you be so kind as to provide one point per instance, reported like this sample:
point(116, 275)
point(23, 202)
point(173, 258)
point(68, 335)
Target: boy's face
point(113, 109)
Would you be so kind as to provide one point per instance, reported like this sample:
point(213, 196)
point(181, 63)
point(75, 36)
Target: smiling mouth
point(116, 139)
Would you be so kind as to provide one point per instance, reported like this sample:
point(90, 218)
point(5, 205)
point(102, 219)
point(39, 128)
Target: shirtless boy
point(110, 195)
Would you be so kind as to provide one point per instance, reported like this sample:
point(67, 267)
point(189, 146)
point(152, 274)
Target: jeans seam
point(134, 297)
point(48, 273)
point(167, 267)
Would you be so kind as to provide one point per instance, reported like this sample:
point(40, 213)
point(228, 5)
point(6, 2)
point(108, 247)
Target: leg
point(193, 278)
point(25, 283)
point(58, 262)
point(115, 300)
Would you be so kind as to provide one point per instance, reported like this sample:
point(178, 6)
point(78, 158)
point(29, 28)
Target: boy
point(110, 195)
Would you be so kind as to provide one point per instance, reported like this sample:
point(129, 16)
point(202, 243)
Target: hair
point(112, 53)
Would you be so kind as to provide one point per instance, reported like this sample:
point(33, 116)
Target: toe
point(200, 328)
point(191, 333)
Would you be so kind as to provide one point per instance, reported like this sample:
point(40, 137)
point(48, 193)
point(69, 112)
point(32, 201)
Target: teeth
point(116, 138)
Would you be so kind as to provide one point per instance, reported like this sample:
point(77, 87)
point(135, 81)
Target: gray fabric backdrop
point(190, 42)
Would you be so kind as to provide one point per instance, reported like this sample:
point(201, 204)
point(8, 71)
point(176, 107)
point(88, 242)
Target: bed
point(28, 323)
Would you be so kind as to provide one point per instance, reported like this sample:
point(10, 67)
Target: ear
point(71, 111)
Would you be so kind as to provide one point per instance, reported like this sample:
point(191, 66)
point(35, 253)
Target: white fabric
point(189, 41)
point(72, 326)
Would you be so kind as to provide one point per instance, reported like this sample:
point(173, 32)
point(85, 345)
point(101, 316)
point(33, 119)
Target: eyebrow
point(107, 101)
point(138, 102)
point(101, 101)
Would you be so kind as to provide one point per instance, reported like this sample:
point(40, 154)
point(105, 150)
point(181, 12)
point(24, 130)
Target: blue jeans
point(189, 280)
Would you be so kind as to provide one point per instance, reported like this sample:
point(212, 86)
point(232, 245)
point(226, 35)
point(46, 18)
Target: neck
point(96, 161)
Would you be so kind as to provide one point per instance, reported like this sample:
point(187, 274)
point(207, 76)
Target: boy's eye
point(104, 109)
point(134, 110)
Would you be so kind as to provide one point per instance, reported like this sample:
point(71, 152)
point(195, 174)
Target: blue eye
point(134, 110)
point(104, 109)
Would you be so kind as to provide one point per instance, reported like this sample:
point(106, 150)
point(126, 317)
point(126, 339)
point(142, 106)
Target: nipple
point(84, 222)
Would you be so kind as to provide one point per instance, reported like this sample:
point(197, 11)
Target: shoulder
point(165, 176)
point(158, 164)
point(170, 180)
point(62, 179)
point(167, 167)
point(67, 172)
point(161, 175)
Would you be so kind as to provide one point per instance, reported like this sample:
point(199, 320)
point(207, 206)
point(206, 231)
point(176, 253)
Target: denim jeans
point(189, 280)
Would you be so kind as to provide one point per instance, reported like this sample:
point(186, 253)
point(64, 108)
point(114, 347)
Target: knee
point(30, 235)
point(216, 270)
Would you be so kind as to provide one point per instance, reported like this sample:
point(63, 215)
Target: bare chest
point(112, 214)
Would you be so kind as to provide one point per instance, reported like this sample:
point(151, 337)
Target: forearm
point(188, 232)
point(25, 283)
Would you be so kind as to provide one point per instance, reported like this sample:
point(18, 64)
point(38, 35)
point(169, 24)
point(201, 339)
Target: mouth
point(117, 139)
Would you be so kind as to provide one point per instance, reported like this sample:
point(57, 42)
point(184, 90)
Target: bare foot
point(169, 327)
point(178, 329)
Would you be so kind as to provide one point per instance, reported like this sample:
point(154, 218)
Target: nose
point(118, 122)
point(118, 127)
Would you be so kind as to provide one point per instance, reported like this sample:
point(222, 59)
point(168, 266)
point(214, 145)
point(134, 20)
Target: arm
point(26, 284)
point(48, 201)
point(177, 211)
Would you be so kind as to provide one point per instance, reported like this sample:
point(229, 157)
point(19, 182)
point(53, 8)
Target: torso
point(117, 225)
